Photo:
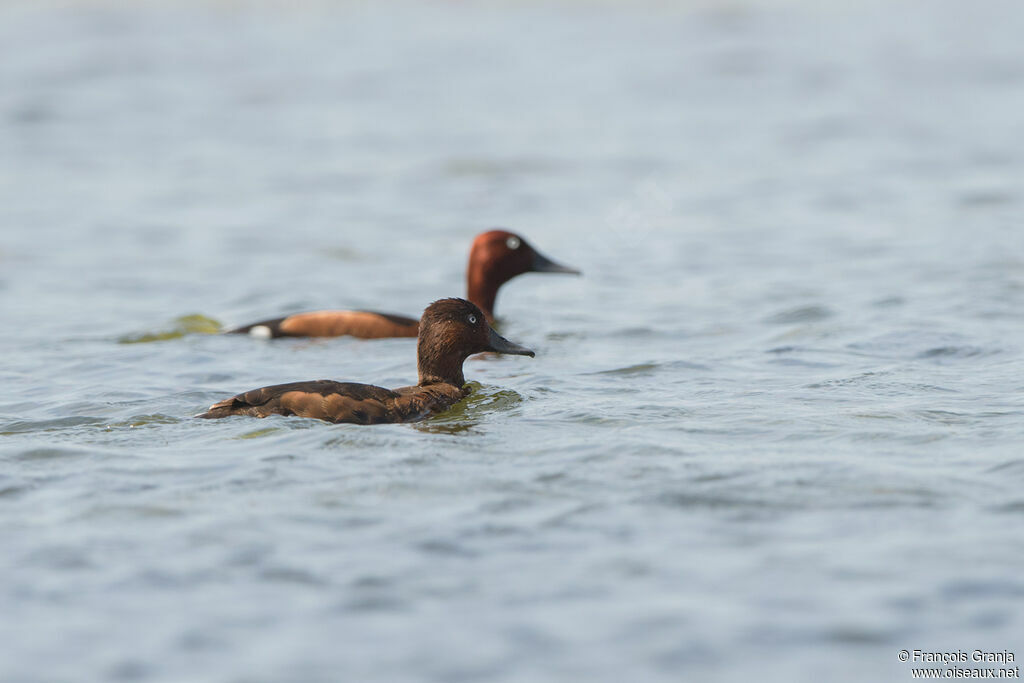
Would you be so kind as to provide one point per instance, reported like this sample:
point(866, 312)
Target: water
point(774, 432)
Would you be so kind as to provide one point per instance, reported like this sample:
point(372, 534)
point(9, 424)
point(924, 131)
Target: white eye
point(472, 319)
point(512, 242)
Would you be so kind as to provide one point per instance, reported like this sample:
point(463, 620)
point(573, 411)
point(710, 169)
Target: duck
point(496, 257)
point(450, 331)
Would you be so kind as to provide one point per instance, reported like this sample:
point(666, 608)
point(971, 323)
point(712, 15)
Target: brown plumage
point(496, 257)
point(363, 324)
point(450, 331)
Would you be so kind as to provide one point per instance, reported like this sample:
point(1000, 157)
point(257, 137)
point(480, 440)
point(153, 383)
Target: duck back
point(362, 324)
point(340, 402)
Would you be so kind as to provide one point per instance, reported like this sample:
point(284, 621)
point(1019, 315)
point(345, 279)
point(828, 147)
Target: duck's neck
point(438, 363)
point(481, 289)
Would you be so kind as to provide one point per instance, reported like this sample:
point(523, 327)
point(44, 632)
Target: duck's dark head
point(451, 330)
point(496, 257)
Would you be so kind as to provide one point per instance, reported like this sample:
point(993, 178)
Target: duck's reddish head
point(496, 257)
point(451, 330)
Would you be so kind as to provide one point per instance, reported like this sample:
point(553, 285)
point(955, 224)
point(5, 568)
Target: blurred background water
point(773, 433)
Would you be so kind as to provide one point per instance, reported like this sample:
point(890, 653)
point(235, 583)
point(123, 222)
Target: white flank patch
point(261, 332)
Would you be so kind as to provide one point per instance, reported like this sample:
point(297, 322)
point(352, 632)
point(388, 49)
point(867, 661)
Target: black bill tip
point(501, 345)
point(542, 264)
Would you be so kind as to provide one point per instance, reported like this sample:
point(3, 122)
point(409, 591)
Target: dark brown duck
point(451, 330)
point(496, 257)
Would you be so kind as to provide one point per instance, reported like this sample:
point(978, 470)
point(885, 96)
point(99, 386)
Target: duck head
point(451, 330)
point(496, 257)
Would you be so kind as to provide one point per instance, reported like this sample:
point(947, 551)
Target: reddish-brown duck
point(451, 330)
point(496, 257)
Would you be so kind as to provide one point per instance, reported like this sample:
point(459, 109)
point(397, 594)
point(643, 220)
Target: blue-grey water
point(775, 432)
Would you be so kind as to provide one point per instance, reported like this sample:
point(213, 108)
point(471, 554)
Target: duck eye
point(512, 242)
point(472, 319)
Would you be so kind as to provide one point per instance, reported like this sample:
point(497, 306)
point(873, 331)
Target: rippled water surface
point(773, 433)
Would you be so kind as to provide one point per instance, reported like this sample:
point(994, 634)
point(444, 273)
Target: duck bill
point(502, 345)
point(542, 264)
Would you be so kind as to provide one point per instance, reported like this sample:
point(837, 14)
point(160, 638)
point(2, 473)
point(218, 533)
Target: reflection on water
point(195, 323)
point(470, 411)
